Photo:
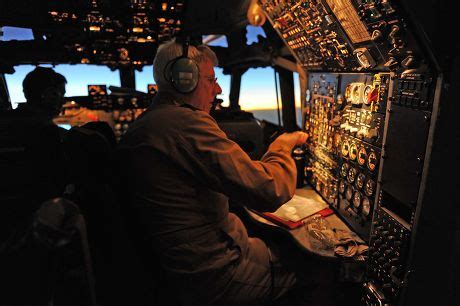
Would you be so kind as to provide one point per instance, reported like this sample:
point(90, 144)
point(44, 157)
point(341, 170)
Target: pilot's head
point(45, 89)
point(202, 95)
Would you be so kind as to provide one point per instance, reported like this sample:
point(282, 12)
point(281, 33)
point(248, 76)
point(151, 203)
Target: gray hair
point(171, 50)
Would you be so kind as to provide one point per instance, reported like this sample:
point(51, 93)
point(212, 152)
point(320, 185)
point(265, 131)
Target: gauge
point(351, 175)
point(362, 155)
point(360, 180)
point(353, 151)
point(369, 187)
point(307, 95)
point(372, 161)
point(366, 209)
point(348, 91)
point(367, 92)
point(345, 148)
point(344, 170)
point(357, 199)
point(342, 186)
point(356, 94)
point(349, 193)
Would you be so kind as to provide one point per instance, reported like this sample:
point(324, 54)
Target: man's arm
point(210, 156)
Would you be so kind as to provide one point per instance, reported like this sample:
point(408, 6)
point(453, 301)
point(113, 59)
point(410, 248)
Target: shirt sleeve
point(207, 153)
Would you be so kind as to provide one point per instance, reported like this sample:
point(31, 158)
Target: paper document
point(299, 208)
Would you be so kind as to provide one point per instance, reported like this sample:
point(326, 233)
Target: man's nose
point(218, 89)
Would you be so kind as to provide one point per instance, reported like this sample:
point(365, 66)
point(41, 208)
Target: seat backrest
point(121, 277)
point(31, 167)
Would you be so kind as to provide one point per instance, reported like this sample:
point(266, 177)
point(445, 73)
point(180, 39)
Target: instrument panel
point(119, 111)
point(370, 107)
point(344, 115)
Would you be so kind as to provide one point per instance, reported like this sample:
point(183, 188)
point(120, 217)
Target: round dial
point(352, 175)
point(360, 180)
point(367, 91)
point(342, 186)
point(356, 199)
point(372, 161)
point(348, 90)
point(344, 170)
point(356, 94)
point(349, 193)
point(345, 148)
point(353, 151)
point(369, 188)
point(362, 155)
point(366, 209)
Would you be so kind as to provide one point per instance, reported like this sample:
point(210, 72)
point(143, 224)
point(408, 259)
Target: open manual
point(291, 213)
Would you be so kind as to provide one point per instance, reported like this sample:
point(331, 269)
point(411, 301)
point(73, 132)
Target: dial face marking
point(360, 180)
point(372, 161)
point(362, 155)
point(353, 151)
point(369, 187)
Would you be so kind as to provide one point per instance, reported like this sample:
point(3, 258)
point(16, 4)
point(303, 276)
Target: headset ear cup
point(184, 74)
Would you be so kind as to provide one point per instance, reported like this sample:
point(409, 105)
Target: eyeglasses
point(211, 79)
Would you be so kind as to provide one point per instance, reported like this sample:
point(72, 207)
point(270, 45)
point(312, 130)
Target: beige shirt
point(183, 171)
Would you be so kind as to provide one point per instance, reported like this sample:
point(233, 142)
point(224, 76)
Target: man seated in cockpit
point(182, 169)
point(33, 126)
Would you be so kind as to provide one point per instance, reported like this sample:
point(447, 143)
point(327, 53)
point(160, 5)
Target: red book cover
point(293, 224)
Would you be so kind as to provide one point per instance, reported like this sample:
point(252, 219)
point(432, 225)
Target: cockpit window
point(253, 33)
point(13, 33)
point(258, 95)
point(78, 77)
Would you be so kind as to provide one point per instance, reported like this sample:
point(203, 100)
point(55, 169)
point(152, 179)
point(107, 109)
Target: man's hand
point(292, 139)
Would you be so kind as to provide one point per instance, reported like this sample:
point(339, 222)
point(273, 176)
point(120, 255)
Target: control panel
point(345, 116)
point(118, 110)
point(370, 107)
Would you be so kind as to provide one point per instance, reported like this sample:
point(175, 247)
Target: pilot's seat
point(122, 278)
